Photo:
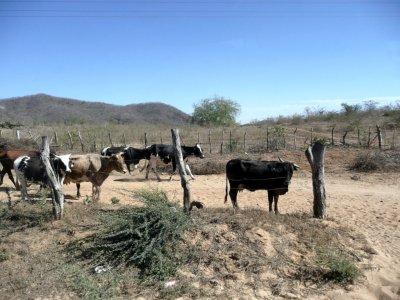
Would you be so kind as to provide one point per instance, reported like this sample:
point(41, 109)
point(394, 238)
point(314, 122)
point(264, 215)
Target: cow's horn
point(280, 159)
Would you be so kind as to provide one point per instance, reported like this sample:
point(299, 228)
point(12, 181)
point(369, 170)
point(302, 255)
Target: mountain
point(42, 108)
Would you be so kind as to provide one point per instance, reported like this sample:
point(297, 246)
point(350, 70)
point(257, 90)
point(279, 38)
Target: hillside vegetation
point(46, 109)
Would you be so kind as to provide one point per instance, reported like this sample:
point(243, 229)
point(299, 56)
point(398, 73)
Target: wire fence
point(252, 139)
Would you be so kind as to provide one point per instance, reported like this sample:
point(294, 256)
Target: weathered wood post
point(222, 142)
point(369, 137)
point(315, 156)
point(54, 184)
point(70, 140)
point(295, 139)
point(332, 140)
point(244, 141)
point(110, 139)
point(209, 138)
point(81, 141)
point(344, 138)
point(230, 141)
point(267, 139)
point(18, 135)
point(145, 139)
point(379, 133)
point(179, 159)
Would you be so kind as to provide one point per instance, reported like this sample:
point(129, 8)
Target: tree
point(216, 111)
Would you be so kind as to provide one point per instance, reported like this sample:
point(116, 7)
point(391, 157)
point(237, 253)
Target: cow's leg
point(276, 198)
point(188, 171)
point(270, 200)
point(23, 188)
point(128, 166)
point(153, 165)
point(173, 169)
point(78, 190)
point(2, 173)
point(234, 189)
point(95, 192)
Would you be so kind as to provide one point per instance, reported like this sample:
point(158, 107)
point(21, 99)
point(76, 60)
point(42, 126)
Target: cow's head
point(117, 162)
point(62, 162)
point(198, 152)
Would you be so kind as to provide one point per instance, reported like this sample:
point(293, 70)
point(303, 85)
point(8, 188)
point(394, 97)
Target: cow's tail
point(226, 190)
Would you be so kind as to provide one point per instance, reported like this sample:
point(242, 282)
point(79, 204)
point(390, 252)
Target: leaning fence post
point(315, 156)
point(55, 186)
point(109, 138)
point(70, 140)
point(378, 131)
point(81, 141)
point(244, 142)
point(179, 159)
point(209, 138)
point(294, 138)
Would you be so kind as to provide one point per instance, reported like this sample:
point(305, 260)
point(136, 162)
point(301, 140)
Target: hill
point(42, 108)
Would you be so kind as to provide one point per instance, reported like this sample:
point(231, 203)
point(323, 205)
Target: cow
point(167, 155)
point(93, 168)
point(252, 175)
point(134, 155)
point(108, 151)
point(32, 169)
point(7, 158)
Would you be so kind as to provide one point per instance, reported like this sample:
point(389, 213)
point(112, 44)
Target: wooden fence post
point(230, 141)
point(54, 184)
point(209, 138)
point(70, 140)
point(369, 137)
point(81, 141)
point(267, 139)
point(244, 142)
point(332, 140)
point(222, 141)
point(315, 156)
point(379, 133)
point(124, 139)
point(18, 135)
point(145, 139)
point(198, 137)
point(179, 159)
point(312, 136)
point(344, 137)
point(161, 138)
point(109, 138)
point(294, 138)
point(56, 137)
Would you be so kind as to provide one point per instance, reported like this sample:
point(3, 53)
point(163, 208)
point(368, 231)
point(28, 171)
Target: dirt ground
point(369, 203)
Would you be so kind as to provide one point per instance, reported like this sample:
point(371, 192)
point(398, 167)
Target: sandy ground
point(368, 203)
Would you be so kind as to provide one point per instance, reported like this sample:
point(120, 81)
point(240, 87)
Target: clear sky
point(273, 57)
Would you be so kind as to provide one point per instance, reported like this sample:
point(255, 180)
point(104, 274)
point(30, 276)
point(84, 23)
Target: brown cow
point(93, 168)
point(7, 158)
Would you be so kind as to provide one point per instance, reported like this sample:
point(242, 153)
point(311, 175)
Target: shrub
point(338, 266)
point(150, 237)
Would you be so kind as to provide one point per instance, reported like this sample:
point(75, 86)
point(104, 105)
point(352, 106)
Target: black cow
point(253, 175)
point(108, 151)
point(167, 155)
point(32, 169)
point(133, 156)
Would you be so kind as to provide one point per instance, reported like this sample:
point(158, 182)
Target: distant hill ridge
point(44, 108)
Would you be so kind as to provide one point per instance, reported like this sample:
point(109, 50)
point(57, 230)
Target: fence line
point(217, 140)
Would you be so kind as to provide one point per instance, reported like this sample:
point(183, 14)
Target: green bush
point(150, 237)
point(337, 265)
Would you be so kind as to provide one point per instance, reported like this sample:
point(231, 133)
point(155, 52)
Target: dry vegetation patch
point(249, 253)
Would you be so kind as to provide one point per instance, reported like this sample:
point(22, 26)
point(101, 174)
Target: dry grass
point(279, 255)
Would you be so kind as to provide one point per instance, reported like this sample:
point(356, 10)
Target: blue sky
point(273, 57)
